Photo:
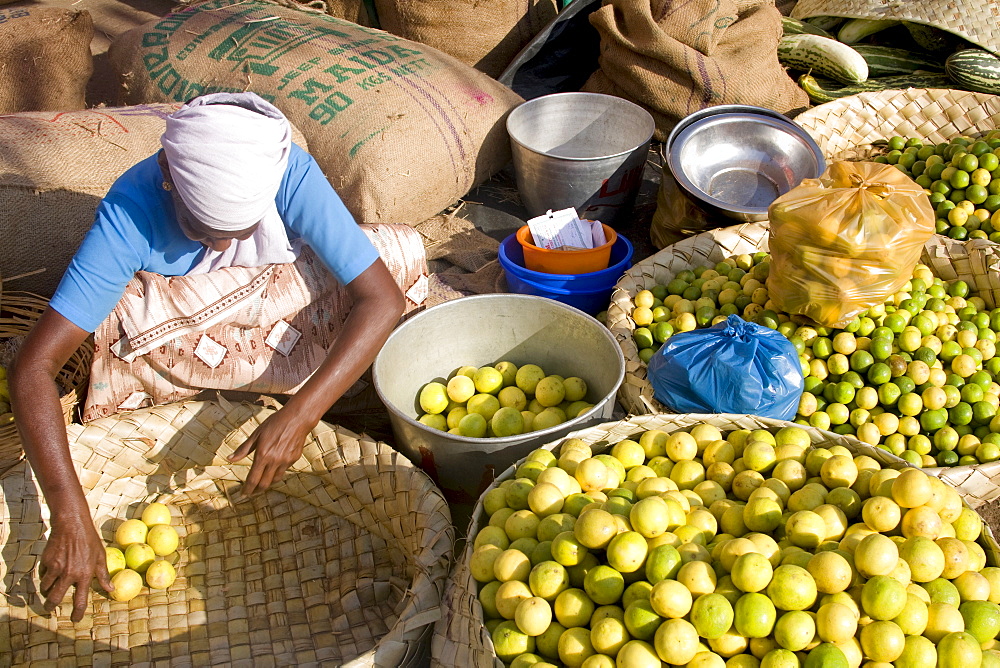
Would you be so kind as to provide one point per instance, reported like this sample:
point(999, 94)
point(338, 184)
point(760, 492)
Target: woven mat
point(978, 22)
point(341, 562)
point(460, 636)
point(462, 259)
point(844, 129)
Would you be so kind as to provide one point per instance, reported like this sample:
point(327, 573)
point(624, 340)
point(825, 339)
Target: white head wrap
point(227, 154)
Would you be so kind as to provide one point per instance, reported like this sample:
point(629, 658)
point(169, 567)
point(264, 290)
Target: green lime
point(958, 288)
point(959, 180)
point(972, 392)
point(947, 458)
point(896, 143)
point(905, 384)
point(843, 392)
point(880, 348)
point(879, 374)
point(854, 379)
point(925, 355)
point(978, 148)
point(983, 412)
point(881, 333)
point(662, 331)
point(968, 163)
point(960, 413)
point(976, 194)
point(822, 347)
point(861, 360)
point(888, 394)
point(932, 420)
point(643, 337)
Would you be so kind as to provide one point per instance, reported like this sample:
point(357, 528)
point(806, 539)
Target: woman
point(229, 189)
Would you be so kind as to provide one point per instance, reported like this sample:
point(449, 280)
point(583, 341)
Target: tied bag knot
point(735, 366)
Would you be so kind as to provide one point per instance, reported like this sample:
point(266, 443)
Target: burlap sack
point(400, 129)
point(54, 170)
point(677, 58)
point(486, 34)
point(349, 10)
point(45, 59)
point(262, 330)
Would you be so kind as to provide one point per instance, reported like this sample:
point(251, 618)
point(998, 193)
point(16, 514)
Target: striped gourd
point(790, 26)
point(885, 61)
point(974, 69)
point(932, 39)
point(822, 90)
point(855, 30)
point(827, 23)
point(807, 53)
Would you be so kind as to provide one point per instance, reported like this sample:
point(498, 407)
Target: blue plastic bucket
point(588, 292)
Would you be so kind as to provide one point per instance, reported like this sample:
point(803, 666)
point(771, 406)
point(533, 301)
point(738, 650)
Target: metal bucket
point(483, 330)
point(582, 150)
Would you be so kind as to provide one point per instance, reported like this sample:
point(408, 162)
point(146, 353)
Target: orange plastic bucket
point(581, 261)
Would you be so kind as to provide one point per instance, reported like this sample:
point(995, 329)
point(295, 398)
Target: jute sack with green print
point(400, 129)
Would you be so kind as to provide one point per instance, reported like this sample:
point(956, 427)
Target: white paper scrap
point(562, 230)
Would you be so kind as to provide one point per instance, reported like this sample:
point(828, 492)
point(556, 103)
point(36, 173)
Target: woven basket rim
point(352, 484)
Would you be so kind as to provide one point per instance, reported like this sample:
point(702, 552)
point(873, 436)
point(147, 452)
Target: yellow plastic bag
point(846, 241)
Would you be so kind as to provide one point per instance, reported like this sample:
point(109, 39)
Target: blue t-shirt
point(135, 230)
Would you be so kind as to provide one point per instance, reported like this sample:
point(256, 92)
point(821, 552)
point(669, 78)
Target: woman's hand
point(278, 442)
point(73, 556)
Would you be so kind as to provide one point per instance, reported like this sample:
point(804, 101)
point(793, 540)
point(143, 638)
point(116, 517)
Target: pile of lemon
point(915, 376)
point(750, 548)
point(134, 561)
point(501, 400)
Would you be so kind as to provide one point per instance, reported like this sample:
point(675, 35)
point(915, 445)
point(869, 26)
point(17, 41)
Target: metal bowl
point(735, 162)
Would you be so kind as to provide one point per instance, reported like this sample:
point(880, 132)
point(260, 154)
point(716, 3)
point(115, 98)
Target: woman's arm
point(74, 554)
point(377, 306)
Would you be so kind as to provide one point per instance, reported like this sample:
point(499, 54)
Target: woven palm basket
point(340, 563)
point(977, 262)
point(460, 636)
point(18, 313)
point(974, 21)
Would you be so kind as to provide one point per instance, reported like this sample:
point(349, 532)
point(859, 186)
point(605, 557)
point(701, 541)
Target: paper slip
point(563, 230)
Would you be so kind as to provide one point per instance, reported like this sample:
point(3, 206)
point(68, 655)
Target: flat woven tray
point(845, 128)
point(19, 311)
point(978, 22)
point(341, 563)
point(460, 637)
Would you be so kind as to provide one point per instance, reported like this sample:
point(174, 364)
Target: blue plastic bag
point(733, 367)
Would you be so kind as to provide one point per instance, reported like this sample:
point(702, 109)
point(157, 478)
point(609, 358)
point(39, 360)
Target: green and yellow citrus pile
point(916, 376)
point(501, 400)
point(133, 562)
point(962, 179)
point(752, 548)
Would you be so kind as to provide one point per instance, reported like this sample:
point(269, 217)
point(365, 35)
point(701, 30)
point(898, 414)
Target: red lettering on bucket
point(630, 179)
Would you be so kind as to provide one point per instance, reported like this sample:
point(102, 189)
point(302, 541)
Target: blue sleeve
point(312, 209)
point(111, 253)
